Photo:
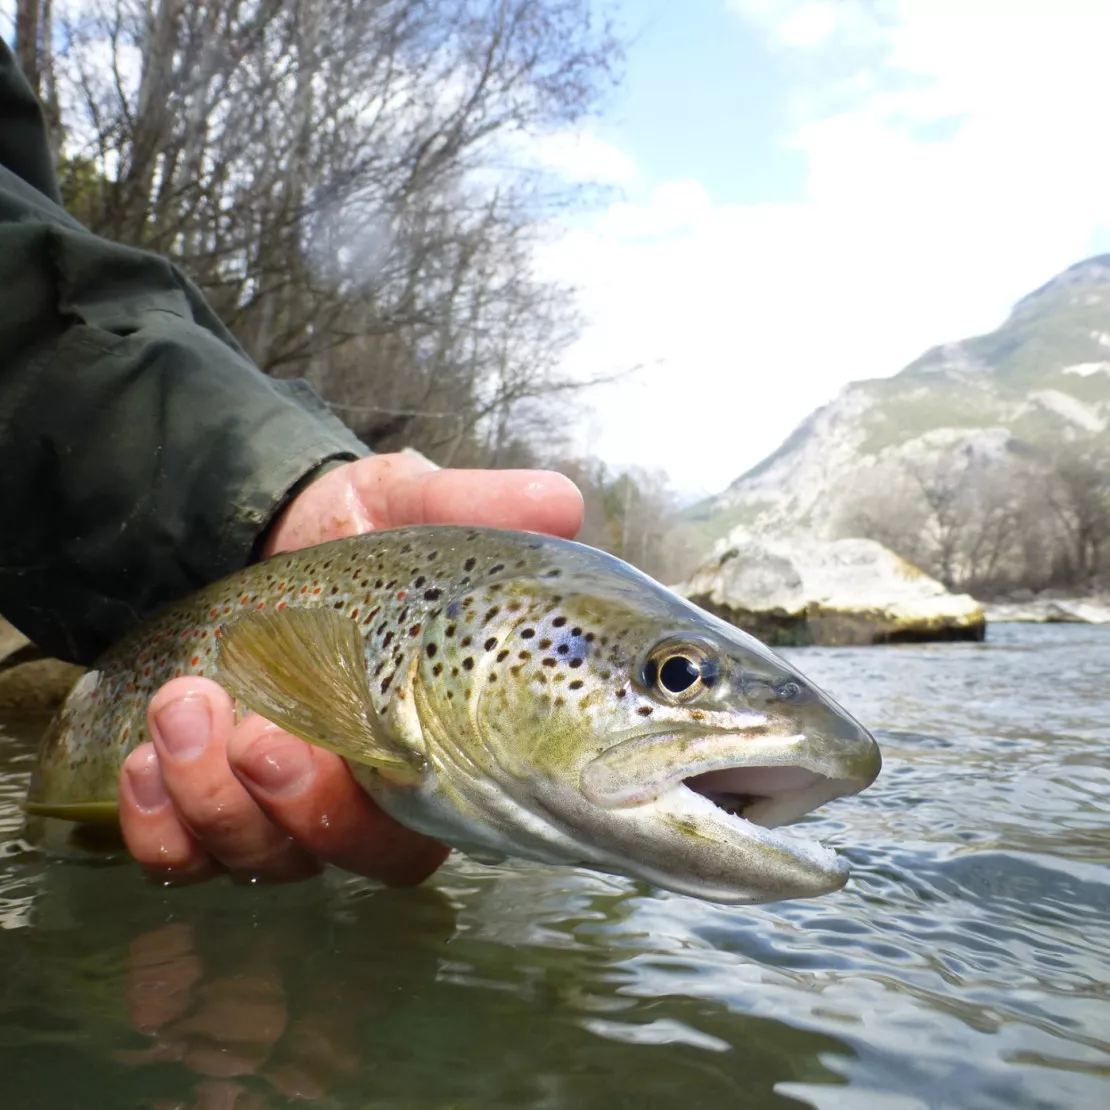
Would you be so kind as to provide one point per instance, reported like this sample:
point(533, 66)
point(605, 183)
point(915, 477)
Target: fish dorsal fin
point(305, 670)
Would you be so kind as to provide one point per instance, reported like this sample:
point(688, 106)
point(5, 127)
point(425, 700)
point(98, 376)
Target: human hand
point(209, 795)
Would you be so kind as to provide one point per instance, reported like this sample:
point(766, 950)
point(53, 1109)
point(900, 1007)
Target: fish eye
point(678, 672)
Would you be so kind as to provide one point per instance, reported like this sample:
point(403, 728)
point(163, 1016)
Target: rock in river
point(28, 680)
point(848, 591)
point(1050, 610)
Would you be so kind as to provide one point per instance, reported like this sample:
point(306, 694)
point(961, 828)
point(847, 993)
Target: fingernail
point(278, 764)
point(145, 779)
point(184, 727)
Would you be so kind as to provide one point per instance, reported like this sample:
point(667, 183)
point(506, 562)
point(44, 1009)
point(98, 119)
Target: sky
point(810, 192)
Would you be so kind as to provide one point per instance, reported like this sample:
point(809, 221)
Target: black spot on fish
point(431, 650)
point(437, 670)
point(419, 582)
point(502, 655)
point(468, 663)
point(563, 649)
point(549, 662)
point(491, 643)
point(544, 645)
point(496, 568)
point(575, 663)
point(432, 595)
point(644, 710)
point(558, 622)
point(528, 633)
point(470, 564)
point(450, 630)
point(577, 684)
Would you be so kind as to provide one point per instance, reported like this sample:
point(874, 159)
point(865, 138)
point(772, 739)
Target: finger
point(333, 506)
point(311, 795)
point(191, 720)
point(152, 829)
point(531, 500)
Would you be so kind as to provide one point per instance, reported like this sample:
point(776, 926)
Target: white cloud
point(956, 158)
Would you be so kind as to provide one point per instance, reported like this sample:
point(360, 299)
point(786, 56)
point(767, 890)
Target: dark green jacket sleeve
point(142, 454)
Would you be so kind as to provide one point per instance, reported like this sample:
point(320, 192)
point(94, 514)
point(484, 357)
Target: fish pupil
point(678, 673)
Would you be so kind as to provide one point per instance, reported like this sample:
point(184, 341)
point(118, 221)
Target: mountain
point(1043, 377)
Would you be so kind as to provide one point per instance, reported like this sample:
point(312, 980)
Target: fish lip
point(610, 780)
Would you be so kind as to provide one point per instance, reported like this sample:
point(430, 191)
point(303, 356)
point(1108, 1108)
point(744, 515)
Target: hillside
point(1042, 377)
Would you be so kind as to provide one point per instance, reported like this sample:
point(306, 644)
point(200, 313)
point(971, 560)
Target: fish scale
point(504, 692)
point(373, 579)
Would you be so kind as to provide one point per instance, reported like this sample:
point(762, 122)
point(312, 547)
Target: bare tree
point(34, 50)
point(1078, 494)
point(345, 183)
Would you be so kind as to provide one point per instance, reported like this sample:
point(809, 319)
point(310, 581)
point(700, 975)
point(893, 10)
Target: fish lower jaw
point(752, 863)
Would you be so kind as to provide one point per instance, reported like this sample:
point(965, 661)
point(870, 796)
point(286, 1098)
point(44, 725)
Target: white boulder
point(809, 591)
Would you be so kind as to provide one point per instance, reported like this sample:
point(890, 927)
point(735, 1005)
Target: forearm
point(141, 455)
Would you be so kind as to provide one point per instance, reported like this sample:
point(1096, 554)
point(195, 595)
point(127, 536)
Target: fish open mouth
point(712, 806)
point(767, 796)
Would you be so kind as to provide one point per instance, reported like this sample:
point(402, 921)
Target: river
point(966, 965)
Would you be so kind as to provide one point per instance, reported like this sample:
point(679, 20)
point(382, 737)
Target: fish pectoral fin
point(102, 814)
point(305, 670)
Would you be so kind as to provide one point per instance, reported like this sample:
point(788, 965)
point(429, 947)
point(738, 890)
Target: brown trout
point(507, 693)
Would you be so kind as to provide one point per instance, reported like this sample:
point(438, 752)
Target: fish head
point(637, 734)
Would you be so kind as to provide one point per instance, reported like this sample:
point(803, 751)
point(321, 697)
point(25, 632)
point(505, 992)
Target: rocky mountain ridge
point(1041, 378)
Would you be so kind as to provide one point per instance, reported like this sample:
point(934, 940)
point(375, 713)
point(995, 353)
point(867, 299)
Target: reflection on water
point(965, 966)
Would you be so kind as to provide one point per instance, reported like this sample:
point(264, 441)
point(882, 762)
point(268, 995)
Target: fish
point(510, 694)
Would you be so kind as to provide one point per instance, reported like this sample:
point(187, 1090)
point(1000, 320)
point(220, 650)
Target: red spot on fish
point(261, 605)
point(127, 734)
point(317, 590)
point(177, 673)
point(144, 657)
point(196, 660)
point(217, 633)
point(304, 589)
point(282, 586)
point(227, 609)
point(401, 596)
point(213, 612)
point(244, 599)
point(147, 672)
point(282, 604)
point(354, 614)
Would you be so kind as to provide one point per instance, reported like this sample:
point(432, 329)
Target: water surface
point(966, 965)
